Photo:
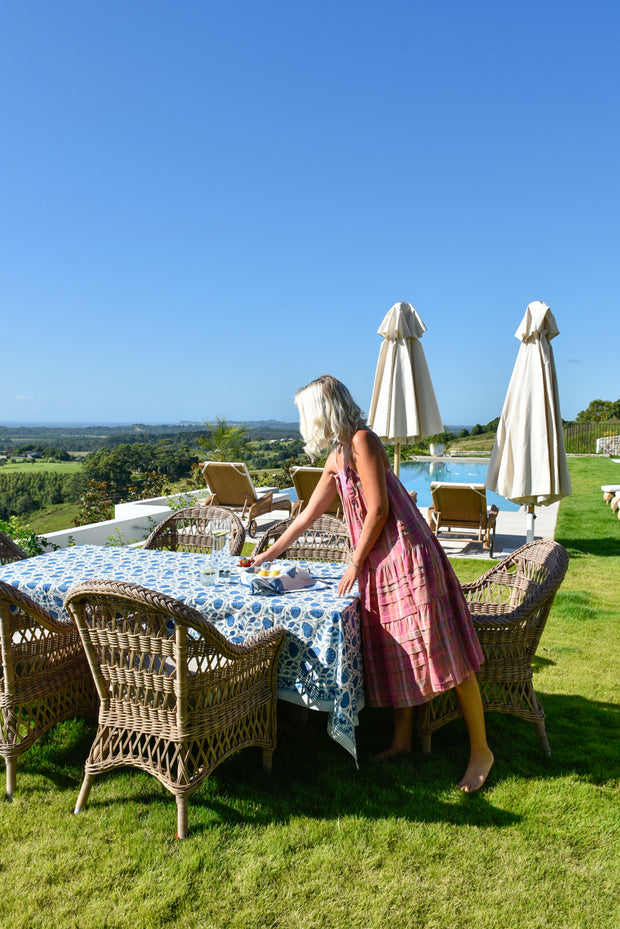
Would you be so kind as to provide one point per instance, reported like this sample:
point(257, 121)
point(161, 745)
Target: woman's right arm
point(322, 496)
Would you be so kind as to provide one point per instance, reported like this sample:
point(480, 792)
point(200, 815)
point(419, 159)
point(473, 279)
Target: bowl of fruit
point(267, 569)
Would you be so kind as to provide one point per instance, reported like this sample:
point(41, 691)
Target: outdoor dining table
point(321, 661)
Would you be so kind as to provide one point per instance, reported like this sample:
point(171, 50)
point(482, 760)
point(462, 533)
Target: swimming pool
point(417, 475)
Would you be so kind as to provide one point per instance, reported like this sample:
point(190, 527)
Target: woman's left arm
point(369, 460)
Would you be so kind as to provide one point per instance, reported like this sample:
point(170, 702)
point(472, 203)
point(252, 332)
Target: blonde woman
point(418, 638)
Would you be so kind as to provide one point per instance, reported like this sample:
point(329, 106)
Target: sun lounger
point(463, 507)
point(231, 486)
point(305, 480)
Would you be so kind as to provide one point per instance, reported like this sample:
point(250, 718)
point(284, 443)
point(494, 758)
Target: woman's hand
point(347, 580)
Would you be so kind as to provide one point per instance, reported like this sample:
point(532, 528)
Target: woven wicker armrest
point(23, 602)
point(266, 638)
point(10, 550)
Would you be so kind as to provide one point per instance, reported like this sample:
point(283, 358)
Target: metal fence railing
point(580, 438)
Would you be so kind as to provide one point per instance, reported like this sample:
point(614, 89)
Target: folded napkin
point(294, 578)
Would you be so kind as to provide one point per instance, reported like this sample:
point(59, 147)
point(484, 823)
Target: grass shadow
point(314, 777)
point(607, 547)
point(59, 755)
point(584, 736)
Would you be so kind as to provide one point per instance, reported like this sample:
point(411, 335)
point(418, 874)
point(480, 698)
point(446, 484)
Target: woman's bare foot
point(480, 763)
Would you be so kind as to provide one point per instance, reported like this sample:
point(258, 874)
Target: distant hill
point(90, 437)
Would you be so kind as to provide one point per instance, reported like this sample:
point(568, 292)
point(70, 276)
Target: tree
point(600, 411)
point(225, 442)
point(114, 467)
point(95, 506)
point(492, 426)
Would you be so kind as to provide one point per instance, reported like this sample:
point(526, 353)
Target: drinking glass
point(210, 572)
point(220, 548)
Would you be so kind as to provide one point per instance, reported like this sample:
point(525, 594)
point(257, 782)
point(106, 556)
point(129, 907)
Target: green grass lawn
point(320, 844)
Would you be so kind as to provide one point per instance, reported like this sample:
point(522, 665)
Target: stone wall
point(608, 445)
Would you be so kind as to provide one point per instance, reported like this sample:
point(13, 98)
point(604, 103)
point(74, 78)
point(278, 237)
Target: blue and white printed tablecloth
point(321, 662)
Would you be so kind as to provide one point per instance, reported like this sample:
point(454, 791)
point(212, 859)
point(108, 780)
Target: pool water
point(417, 475)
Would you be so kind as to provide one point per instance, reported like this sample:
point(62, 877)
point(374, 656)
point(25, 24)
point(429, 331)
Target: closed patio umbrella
point(403, 408)
point(528, 461)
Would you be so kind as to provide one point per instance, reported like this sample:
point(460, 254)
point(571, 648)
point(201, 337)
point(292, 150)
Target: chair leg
point(267, 760)
point(182, 828)
point(542, 737)
point(87, 783)
point(425, 741)
point(11, 776)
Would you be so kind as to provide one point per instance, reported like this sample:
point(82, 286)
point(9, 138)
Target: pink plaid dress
point(418, 638)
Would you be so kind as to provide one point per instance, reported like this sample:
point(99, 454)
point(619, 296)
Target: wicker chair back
point(327, 539)
point(177, 698)
point(188, 530)
point(44, 676)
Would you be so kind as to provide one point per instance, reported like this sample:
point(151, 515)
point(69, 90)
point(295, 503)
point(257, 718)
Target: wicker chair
point(177, 698)
point(188, 530)
point(9, 550)
point(44, 676)
point(509, 606)
point(327, 539)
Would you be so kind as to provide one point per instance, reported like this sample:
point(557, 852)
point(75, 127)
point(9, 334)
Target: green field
point(37, 466)
point(53, 517)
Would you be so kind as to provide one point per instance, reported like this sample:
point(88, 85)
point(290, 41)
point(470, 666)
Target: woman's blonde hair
point(328, 414)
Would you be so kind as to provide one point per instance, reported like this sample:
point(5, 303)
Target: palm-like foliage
point(225, 442)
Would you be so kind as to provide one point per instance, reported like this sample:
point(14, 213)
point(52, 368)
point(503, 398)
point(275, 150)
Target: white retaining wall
point(132, 522)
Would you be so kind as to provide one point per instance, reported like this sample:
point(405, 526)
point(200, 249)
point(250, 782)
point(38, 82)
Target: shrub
point(27, 540)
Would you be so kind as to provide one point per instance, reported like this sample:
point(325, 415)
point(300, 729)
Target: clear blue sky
point(205, 205)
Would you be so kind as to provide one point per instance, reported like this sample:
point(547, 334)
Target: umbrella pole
point(531, 517)
point(397, 459)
